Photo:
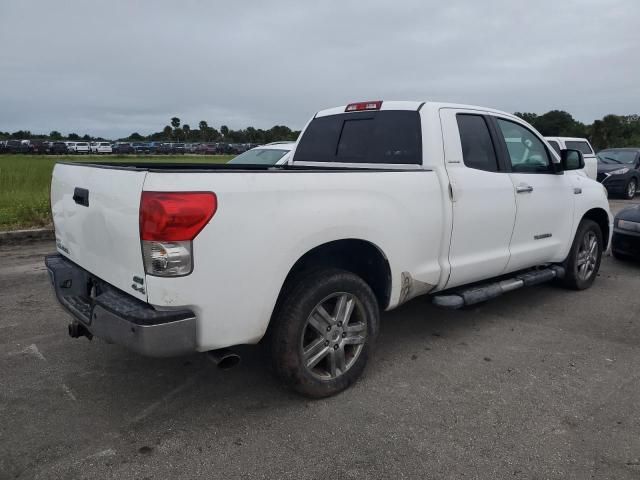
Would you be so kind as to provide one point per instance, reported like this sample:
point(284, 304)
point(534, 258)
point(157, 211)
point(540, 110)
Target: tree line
point(178, 132)
point(610, 131)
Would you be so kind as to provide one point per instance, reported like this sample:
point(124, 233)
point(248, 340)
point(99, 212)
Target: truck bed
point(224, 167)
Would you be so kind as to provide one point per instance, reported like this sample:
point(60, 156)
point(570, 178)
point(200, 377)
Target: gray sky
point(116, 66)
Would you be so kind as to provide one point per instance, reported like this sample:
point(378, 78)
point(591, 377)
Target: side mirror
point(571, 159)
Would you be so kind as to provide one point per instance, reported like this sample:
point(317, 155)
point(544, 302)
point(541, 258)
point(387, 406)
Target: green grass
point(25, 182)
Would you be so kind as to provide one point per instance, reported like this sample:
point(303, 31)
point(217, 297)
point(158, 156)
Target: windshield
point(259, 156)
point(615, 157)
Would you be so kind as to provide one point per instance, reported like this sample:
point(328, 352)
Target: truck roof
point(568, 139)
point(414, 106)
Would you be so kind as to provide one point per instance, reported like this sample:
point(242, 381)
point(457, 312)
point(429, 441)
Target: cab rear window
point(386, 137)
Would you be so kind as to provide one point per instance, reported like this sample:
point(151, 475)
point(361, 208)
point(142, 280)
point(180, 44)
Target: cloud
point(116, 66)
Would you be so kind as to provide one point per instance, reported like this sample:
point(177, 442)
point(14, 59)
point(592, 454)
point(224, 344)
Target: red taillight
point(175, 216)
point(355, 107)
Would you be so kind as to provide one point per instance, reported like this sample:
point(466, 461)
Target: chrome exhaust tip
point(224, 358)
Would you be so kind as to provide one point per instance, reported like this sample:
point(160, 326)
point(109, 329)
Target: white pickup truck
point(381, 202)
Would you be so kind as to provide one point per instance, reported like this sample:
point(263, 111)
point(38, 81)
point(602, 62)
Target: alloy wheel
point(587, 256)
point(334, 336)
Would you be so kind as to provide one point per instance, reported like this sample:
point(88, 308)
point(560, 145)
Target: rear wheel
point(324, 332)
point(584, 259)
point(631, 189)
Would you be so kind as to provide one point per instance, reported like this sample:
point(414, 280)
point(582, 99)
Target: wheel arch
point(601, 217)
point(358, 256)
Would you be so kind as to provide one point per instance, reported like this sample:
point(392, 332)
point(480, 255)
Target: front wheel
point(632, 188)
point(584, 259)
point(324, 332)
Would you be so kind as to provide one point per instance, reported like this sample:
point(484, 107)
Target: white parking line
point(165, 399)
point(33, 350)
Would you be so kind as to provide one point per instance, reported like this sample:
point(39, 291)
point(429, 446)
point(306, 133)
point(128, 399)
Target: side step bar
point(481, 293)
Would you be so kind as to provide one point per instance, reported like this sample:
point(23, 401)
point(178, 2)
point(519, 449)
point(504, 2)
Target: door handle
point(523, 188)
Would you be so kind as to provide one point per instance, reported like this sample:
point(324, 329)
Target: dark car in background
point(225, 149)
point(140, 148)
point(164, 148)
point(58, 148)
point(619, 171)
point(179, 148)
point(122, 148)
point(153, 147)
point(17, 146)
point(626, 234)
point(39, 147)
point(207, 149)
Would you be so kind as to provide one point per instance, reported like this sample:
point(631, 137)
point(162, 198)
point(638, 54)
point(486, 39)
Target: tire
point(330, 345)
point(631, 189)
point(577, 276)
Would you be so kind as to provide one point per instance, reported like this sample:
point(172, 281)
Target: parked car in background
point(223, 148)
point(38, 147)
point(178, 148)
point(619, 171)
point(16, 146)
point(82, 147)
point(153, 147)
point(164, 148)
point(140, 148)
point(71, 146)
point(58, 148)
point(122, 148)
point(581, 144)
point(626, 234)
point(276, 153)
point(207, 149)
point(101, 147)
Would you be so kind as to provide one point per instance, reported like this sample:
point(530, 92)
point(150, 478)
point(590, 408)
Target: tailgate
point(96, 219)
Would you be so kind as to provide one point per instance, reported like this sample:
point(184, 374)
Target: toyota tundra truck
point(380, 202)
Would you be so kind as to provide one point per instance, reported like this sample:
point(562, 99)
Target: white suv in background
point(82, 147)
point(101, 147)
point(581, 144)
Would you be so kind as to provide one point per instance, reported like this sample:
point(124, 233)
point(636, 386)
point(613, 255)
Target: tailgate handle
point(81, 196)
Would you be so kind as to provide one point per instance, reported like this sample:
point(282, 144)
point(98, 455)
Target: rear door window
point(385, 137)
point(584, 147)
point(477, 147)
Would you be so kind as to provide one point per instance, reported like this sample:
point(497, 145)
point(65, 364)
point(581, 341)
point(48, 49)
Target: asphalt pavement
point(540, 383)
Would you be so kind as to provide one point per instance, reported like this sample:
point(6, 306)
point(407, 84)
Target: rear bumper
point(116, 317)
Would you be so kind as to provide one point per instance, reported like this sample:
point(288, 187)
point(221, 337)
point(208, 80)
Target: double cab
point(379, 203)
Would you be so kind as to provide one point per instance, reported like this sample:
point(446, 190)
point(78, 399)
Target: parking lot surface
point(540, 383)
